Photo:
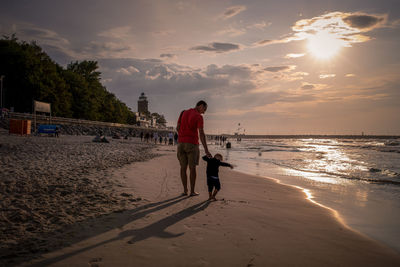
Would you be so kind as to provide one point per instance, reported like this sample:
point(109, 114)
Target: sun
point(324, 45)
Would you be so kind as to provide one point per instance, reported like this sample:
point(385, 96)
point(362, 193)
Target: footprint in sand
point(175, 248)
point(95, 262)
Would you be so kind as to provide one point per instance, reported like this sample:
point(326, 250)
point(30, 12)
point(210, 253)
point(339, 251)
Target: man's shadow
point(156, 229)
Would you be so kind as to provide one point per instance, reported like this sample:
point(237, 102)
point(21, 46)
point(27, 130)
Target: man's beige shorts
point(188, 154)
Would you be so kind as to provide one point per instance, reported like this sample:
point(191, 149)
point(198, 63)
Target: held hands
point(208, 154)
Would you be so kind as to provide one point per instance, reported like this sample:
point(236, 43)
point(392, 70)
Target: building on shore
point(143, 116)
point(143, 112)
point(143, 104)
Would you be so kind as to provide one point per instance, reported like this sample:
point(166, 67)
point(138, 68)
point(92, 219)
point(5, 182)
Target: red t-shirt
point(190, 121)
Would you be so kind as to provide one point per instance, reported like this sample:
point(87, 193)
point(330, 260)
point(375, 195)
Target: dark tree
point(75, 92)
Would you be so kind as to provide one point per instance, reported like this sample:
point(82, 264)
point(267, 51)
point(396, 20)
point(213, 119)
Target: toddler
point(212, 174)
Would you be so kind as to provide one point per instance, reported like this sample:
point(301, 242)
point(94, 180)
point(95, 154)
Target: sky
point(274, 67)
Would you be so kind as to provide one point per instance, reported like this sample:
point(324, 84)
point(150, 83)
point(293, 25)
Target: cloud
point(269, 42)
point(233, 11)
point(287, 76)
point(341, 22)
point(166, 55)
point(110, 43)
point(217, 47)
point(104, 49)
point(280, 41)
point(55, 45)
point(259, 26)
point(162, 34)
point(166, 78)
point(308, 87)
point(395, 23)
point(42, 35)
point(295, 76)
point(128, 71)
point(230, 71)
point(122, 32)
point(223, 87)
point(47, 39)
point(313, 86)
point(346, 27)
point(350, 75)
point(114, 42)
point(280, 68)
point(292, 55)
point(264, 42)
point(364, 21)
point(325, 76)
point(231, 31)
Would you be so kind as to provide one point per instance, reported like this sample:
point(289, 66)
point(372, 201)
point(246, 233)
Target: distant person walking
point(170, 139)
point(57, 131)
point(190, 126)
point(155, 137)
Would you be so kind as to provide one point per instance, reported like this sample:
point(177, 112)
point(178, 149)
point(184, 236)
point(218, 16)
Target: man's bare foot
point(184, 194)
point(194, 194)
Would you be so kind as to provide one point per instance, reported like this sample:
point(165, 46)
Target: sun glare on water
point(324, 45)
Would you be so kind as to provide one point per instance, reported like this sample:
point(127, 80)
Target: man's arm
point(204, 142)
point(178, 124)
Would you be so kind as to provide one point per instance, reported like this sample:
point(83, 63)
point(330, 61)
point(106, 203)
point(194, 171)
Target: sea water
point(359, 178)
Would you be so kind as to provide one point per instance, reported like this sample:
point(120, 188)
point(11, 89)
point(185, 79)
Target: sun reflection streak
point(312, 176)
point(330, 160)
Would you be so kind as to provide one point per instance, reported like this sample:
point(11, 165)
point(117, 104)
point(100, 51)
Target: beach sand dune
point(255, 222)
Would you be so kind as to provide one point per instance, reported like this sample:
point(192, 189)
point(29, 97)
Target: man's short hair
point(201, 102)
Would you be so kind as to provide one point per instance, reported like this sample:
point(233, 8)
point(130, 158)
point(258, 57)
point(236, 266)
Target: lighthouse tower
point(143, 104)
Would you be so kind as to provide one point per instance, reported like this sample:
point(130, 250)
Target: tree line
point(74, 91)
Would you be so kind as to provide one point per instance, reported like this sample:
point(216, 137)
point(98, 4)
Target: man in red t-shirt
point(190, 126)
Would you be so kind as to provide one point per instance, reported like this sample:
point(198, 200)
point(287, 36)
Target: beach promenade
point(256, 222)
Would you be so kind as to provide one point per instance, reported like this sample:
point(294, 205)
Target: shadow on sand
point(156, 229)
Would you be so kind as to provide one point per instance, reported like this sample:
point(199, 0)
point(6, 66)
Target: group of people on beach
point(155, 137)
point(190, 127)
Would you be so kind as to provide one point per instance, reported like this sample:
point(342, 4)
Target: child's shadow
point(156, 229)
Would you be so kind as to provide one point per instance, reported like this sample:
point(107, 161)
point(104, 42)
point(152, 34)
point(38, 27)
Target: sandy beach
point(255, 222)
point(48, 184)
